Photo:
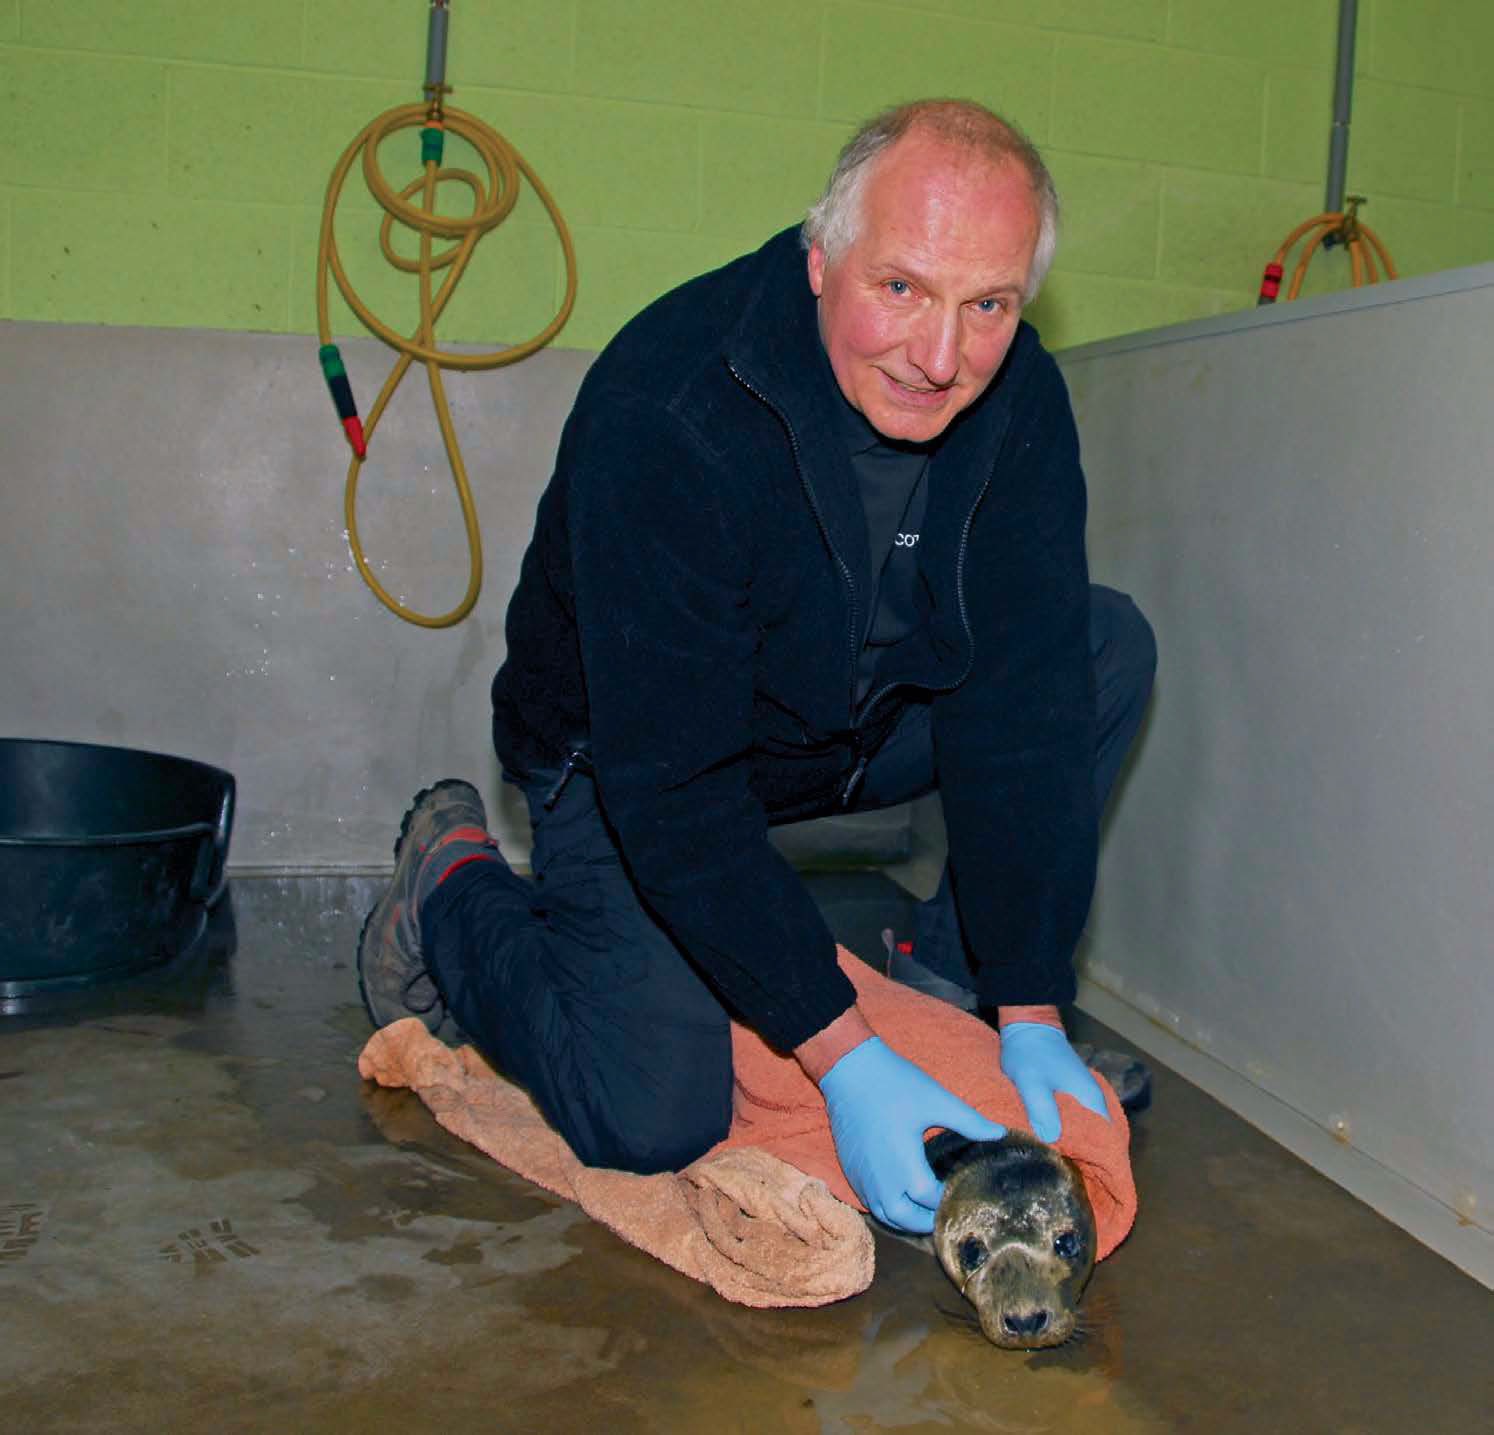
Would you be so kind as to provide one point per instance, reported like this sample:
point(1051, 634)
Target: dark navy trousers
point(573, 990)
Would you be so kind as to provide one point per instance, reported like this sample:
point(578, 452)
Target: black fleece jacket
point(695, 598)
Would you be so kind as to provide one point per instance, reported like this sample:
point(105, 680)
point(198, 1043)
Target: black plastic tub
point(109, 860)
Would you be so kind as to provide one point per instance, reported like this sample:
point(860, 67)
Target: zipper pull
point(577, 760)
point(853, 782)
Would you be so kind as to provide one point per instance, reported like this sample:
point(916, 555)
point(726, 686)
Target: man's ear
point(816, 268)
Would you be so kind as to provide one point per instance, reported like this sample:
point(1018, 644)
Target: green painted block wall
point(165, 164)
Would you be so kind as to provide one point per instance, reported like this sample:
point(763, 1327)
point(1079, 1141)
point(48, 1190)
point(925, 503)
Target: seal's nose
point(1034, 1323)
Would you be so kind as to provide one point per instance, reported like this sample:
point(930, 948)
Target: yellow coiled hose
point(491, 206)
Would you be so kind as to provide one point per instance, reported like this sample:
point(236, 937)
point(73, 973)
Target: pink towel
point(763, 1217)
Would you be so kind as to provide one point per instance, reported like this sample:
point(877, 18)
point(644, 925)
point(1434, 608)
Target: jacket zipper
point(960, 581)
point(819, 518)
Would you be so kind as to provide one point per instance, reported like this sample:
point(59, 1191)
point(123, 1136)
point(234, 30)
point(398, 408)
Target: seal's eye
point(1066, 1243)
point(972, 1255)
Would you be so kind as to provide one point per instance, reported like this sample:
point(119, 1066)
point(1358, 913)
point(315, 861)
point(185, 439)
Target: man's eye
point(989, 306)
point(898, 287)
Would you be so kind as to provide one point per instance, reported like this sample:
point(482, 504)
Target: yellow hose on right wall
point(1358, 238)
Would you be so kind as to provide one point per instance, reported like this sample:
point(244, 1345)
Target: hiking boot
point(903, 969)
point(393, 978)
point(1129, 1076)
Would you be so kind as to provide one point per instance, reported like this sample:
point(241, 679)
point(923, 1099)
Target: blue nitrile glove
point(1039, 1061)
point(880, 1105)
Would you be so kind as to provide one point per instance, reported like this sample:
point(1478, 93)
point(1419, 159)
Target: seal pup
point(1015, 1233)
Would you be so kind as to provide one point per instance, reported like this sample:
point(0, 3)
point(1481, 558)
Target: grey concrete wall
point(174, 575)
point(1296, 897)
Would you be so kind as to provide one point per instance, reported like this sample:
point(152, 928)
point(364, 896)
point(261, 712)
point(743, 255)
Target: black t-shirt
point(892, 479)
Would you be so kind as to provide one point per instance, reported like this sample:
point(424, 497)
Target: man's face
point(918, 313)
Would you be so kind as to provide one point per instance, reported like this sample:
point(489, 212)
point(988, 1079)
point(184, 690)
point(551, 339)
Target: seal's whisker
point(961, 1315)
point(1100, 1306)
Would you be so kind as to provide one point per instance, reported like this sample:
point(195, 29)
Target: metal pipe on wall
point(1343, 98)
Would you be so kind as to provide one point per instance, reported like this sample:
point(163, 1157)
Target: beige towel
point(744, 1222)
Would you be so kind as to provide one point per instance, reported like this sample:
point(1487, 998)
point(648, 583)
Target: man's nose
point(934, 345)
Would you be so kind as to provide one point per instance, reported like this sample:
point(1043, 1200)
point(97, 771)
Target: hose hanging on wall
point(1336, 225)
point(1358, 238)
point(491, 206)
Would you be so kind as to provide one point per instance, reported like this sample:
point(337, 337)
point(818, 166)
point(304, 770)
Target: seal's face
point(1015, 1232)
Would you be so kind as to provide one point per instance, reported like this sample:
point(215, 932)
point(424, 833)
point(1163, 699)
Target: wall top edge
point(1374, 296)
point(299, 342)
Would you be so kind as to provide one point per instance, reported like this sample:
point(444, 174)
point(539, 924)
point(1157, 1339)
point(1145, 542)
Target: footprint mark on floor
point(216, 1244)
point(21, 1225)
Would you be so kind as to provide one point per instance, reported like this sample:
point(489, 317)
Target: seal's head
point(1015, 1232)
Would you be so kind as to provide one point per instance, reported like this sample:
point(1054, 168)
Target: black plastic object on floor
point(1129, 1076)
point(109, 860)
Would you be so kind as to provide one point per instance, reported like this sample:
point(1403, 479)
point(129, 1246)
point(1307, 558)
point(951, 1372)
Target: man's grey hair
point(834, 221)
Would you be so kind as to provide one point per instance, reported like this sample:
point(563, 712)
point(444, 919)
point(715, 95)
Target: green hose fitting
point(432, 144)
point(331, 359)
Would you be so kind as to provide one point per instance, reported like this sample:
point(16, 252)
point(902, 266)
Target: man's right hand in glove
point(880, 1106)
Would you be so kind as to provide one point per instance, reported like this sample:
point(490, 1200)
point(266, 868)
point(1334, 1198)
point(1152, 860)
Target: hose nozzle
point(435, 54)
point(342, 397)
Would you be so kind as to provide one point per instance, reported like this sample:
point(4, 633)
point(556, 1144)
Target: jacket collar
point(775, 350)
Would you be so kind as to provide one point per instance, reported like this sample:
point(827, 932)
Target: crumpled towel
point(765, 1218)
point(747, 1224)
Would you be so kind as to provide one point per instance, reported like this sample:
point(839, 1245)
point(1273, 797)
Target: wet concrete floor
point(209, 1222)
